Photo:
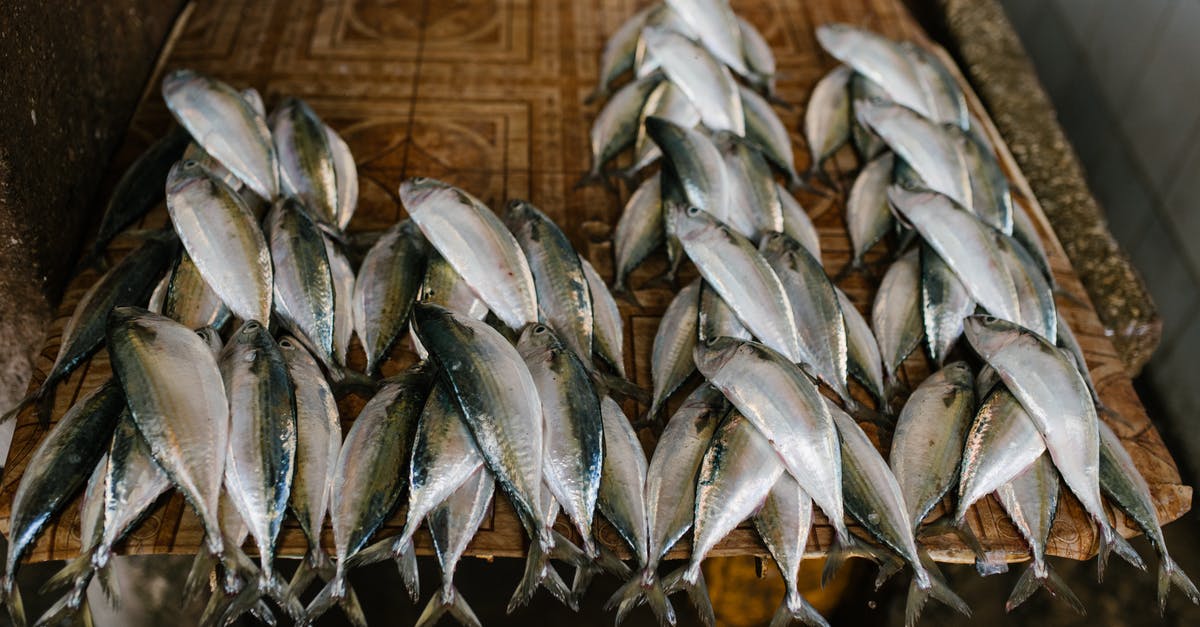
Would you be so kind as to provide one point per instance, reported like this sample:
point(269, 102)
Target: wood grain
point(488, 95)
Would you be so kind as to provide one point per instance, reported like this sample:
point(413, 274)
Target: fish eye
point(711, 342)
point(539, 329)
point(285, 343)
point(876, 100)
point(250, 326)
point(693, 211)
point(190, 163)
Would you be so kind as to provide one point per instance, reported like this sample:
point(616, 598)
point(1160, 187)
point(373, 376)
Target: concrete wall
point(1125, 79)
point(73, 70)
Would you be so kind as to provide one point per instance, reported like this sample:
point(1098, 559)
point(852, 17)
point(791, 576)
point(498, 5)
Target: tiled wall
point(1125, 78)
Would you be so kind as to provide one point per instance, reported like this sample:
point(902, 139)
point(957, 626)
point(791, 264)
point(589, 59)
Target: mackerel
point(896, 312)
point(386, 289)
point(307, 170)
point(945, 303)
point(702, 77)
point(639, 231)
point(671, 356)
point(304, 288)
point(928, 148)
point(609, 338)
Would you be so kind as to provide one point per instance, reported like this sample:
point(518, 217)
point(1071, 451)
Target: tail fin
point(1170, 573)
point(644, 586)
point(199, 575)
point(67, 610)
point(935, 587)
point(796, 608)
point(406, 562)
point(619, 387)
point(304, 575)
point(1030, 582)
point(323, 567)
point(1111, 541)
point(12, 413)
point(325, 599)
point(71, 575)
point(10, 595)
point(109, 585)
point(455, 605)
point(536, 564)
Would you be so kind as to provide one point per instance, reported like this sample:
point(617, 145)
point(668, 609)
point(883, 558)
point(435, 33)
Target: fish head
point(838, 38)
point(687, 222)
point(663, 131)
point(712, 355)
point(185, 174)
point(538, 338)
point(417, 191)
point(134, 322)
point(775, 245)
point(959, 374)
point(212, 338)
point(989, 334)
point(181, 79)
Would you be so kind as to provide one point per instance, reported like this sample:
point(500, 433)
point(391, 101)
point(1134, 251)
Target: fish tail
point(657, 599)
point(536, 563)
point(10, 596)
point(406, 561)
point(1111, 541)
point(108, 585)
point(326, 598)
point(580, 582)
point(44, 399)
point(697, 591)
point(199, 575)
point(621, 289)
point(627, 594)
point(1031, 580)
point(63, 611)
point(834, 558)
point(619, 387)
point(794, 608)
point(25, 402)
point(275, 587)
point(447, 602)
point(77, 570)
point(1170, 573)
point(306, 571)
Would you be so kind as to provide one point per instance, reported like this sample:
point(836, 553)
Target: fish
point(868, 215)
point(130, 282)
point(58, 467)
point(797, 225)
point(990, 195)
point(779, 399)
point(866, 142)
point(927, 445)
point(1035, 295)
point(715, 318)
point(479, 247)
point(195, 153)
point(874, 498)
point(223, 239)
point(705, 80)
point(1026, 232)
point(616, 125)
point(452, 524)
point(564, 300)
point(945, 99)
point(1052, 391)
point(827, 117)
point(863, 360)
point(966, 245)
point(385, 290)
point(343, 300)
point(815, 308)
point(695, 162)
point(639, 231)
point(177, 398)
point(945, 303)
point(618, 54)
point(669, 103)
point(879, 60)
point(755, 208)
point(666, 19)
point(499, 401)
point(306, 165)
point(608, 341)
point(1001, 442)
point(896, 315)
point(765, 130)
point(760, 61)
point(783, 522)
point(1031, 500)
point(573, 430)
point(1125, 486)
point(671, 356)
point(138, 191)
point(188, 299)
point(927, 148)
point(346, 172)
point(304, 288)
point(736, 474)
point(732, 266)
point(226, 126)
point(717, 28)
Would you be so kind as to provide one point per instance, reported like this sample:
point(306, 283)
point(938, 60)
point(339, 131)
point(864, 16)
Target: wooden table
point(488, 95)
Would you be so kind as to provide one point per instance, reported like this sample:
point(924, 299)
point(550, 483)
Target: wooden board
point(488, 95)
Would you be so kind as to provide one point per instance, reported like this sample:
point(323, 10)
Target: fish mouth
point(712, 354)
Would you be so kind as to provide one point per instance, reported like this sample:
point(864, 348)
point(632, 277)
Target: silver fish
point(499, 401)
point(928, 148)
point(989, 187)
point(476, 243)
point(783, 523)
point(318, 439)
point(1001, 443)
point(306, 166)
point(573, 431)
point(661, 18)
point(868, 216)
point(452, 524)
point(623, 479)
point(945, 99)
point(863, 360)
point(671, 357)
point(705, 80)
point(896, 312)
point(761, 384)
point(385, 290)
point(797, 224)
point(226, 126)
point(617, 125)
point(1035, 296)
point(618, 54)
point(444, 286)
point(304, 288)
point(815, 308)
point(189, 300)
point(878, 59)
point(609, 337)
point(1124, 484)
point(716, 27)
point(346, 172)
point(177, 399)
point(639, 231)
point(223, 238)
point(716, 318)
point(827, 117)
point(945, 303)
point(1026, 232)
point(1051, 389)
point(695, 162)
point(967, 245)
point(755, 208)
point(765, 130)
point(736, 475)
point(669, 103)
point(343, 300)
point(866, 142)
point(730, 264)
point(1068, 341)
point(758, 56)
point(262, 434)
point(927, 445)
point(564, 301)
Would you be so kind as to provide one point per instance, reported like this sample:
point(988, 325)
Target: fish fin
point(631, 589)
point(1027, 584)
point(984, 564)
point(263, 612)
point(862, 413)
point(553, 582)
point(304, 575)
point(66, 610)
point(1111, 541)
point(657, 599)
point(581, 580)
point(613, 564)
point(797, 609)
point(324, 568)
point(1030, 582)
point(536, 563)
point(697, 592)
point(25, 402)
point(10, 595)
point(1055, 585)
point(278, 590)
point(565, 551)
point(1170, 573)
point(406, 562)
point(889, 565)
point(939, 589)
point(200, 574)
point(70, 575)
point(109, 585)
point(345, 381)
point(834, 558)
point(618, 386)
point(233, 607)
point(325, 599)
point(456, 606)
